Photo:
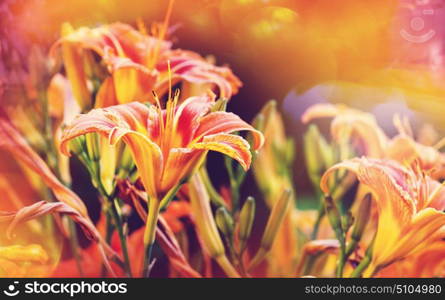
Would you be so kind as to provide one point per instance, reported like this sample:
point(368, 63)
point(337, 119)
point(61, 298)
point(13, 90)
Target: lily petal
point(231, 145)
point(348, 123)
point(180, 163)
point(224, 122)
point(191, 67)
point(123, 122)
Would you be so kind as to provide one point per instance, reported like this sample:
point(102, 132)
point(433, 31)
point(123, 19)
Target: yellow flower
point(409, 203)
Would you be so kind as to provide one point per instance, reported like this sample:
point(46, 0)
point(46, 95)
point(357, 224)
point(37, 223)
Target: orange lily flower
point(362, 129)
point(138, 64)
point(167, 145)
point(409, 203)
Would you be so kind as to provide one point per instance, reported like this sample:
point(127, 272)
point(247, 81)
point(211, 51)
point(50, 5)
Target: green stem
point(215, 197)
point(234, 185)
point(108, 235)
point(361, 267)
point(117, 217)
point(150, 233)
point(342, 255)
point(320, 215)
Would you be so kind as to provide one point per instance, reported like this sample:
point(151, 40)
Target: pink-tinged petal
point(97, 39)
point(125, 122)
point(12, 141)
point(130, 116)
point(136, 45)
point(231, 145)
point(405, 150)
point(224, 122)
point(191, 67)
point(42, 208)
point(436, 197)
point(187, 117)
point(117, 38)
point(180, 164)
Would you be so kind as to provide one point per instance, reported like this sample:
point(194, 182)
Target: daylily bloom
point(409, 203)
point(138, 63)
point(167, 145)
point(362, 130)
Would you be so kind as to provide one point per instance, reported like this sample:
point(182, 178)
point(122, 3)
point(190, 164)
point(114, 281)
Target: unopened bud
point(318, 154)
point(246, 218)
point(362, 217)
point(346, 221)
point(333, 213)
point(224, 221)
point(205, 223)
point(275, 219)
point(273, 225)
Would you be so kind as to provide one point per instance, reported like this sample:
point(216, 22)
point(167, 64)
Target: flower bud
point(224, 221)
point(273, 225)
point(206, 227)
point(362, 217)
point(205, 222)
point(333, 214)
point(246, 218)
point(346, 221)
point(275, 219)
point(318, 154)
